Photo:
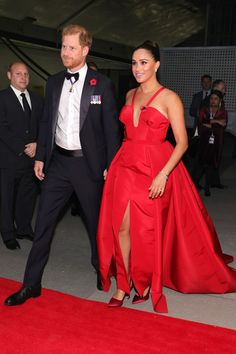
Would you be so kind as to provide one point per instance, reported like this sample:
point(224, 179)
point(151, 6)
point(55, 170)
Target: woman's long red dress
point(173, 240)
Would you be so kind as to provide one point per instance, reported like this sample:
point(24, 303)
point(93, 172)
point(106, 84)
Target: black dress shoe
point(12, 244)
point(22, 295)
point(26, 237)
point(99, 282)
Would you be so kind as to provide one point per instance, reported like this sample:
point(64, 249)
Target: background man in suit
point(20, 113)
point(198, 99)
point(219, 85)
point(79, 135)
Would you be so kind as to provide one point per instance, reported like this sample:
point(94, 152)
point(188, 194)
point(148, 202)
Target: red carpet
point(59, 323)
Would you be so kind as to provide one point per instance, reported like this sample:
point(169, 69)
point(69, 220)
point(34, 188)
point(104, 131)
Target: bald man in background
point(20, 113)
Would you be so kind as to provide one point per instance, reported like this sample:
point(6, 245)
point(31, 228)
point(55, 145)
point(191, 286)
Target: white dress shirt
point(205, 94)
point(68, 122)
point(20, 98)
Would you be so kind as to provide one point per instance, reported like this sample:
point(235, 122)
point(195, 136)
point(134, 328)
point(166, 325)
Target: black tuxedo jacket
point(196, 104)
point(99, 127)
point(15, 132)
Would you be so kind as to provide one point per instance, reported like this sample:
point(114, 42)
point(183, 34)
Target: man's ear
point(85, 51)
point(9, 75)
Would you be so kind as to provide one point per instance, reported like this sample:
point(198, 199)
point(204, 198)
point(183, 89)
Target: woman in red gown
point(154, 230)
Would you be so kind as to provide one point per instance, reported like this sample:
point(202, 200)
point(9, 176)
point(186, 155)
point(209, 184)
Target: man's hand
point(38, 170)
point(105, 174)
point(30, 149)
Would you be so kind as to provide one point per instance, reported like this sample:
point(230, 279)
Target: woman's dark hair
point(217, 93)
point(152, 48)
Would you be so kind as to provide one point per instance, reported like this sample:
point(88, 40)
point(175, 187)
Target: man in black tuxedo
point(199, 98)
point(20, 113)
point(79, 135)
point(198, 101)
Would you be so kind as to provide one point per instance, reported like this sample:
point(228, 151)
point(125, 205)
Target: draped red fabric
point(173, 239)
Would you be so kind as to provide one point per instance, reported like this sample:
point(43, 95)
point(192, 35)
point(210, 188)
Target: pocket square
point(96, 99)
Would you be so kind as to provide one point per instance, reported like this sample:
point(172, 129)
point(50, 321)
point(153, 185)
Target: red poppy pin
point(93, 82)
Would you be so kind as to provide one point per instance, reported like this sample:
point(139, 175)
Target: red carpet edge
point(60, 323)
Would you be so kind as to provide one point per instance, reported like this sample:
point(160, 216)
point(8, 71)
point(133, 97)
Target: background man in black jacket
point(199, 98)
point(20, 113)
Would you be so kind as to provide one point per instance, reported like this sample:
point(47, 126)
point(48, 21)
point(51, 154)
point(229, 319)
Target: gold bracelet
point(164, 174)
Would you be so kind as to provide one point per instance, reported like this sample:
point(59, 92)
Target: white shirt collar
point(18, 92)
point(82, 72)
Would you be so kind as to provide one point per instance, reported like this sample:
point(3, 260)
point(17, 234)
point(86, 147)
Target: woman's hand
point(158, 185)
point(207, 125)
point(221, 122)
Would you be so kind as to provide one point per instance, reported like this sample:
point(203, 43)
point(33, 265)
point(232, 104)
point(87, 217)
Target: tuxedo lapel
point(86, 97)
point(32, 100)
point(13, 98)
point(57, 88)
point(33, 108)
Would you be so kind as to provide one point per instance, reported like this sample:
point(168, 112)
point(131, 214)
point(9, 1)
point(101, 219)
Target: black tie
point(74, 75)
point(26, 106)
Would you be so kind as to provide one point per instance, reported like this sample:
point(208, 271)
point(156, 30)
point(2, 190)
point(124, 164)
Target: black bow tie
point(74, 75)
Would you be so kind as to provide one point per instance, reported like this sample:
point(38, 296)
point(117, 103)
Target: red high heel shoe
point(137, 299)
point(115, 302)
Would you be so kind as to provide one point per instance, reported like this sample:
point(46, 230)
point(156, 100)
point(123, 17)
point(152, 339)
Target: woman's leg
point(124, 242)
